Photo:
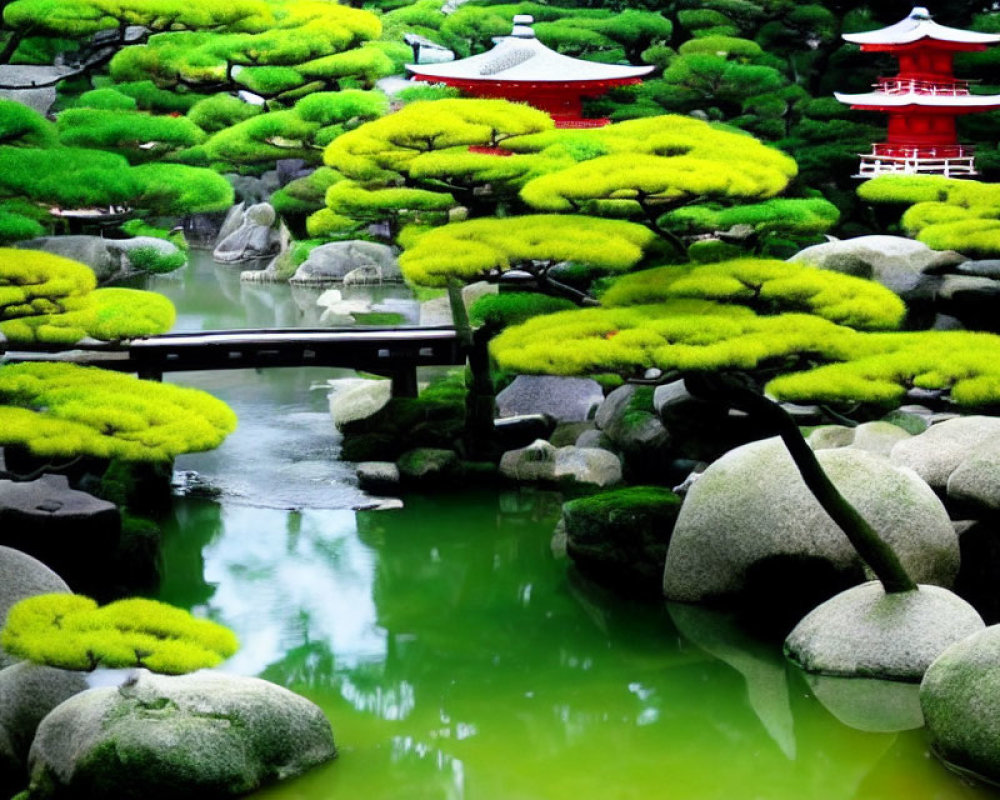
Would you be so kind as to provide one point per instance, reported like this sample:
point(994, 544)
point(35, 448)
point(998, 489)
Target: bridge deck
point(395, 352)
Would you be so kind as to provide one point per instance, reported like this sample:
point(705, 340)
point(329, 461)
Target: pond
point(457, 657)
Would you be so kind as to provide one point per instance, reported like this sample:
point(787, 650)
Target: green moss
point(149, 259)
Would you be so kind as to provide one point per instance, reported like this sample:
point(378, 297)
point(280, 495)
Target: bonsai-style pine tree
point(417, 162)
point(70, 631)
point(736, 330)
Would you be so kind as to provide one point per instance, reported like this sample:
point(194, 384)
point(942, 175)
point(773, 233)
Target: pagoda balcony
point(951, 161)
point(951, 88)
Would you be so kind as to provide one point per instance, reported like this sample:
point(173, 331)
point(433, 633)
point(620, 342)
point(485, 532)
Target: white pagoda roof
point(885, 99)
point(917, 26)
point(521, 57)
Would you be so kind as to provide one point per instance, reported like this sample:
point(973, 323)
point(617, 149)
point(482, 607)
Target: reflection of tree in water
point(189, 527)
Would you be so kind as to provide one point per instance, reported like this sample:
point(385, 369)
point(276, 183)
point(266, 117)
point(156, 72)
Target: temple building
point(923, 100)
point(522, 69)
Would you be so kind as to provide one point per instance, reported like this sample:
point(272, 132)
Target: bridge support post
point(404, 382)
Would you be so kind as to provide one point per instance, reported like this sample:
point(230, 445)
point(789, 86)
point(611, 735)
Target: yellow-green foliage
point(51, 299)
point(769, 287)
point(32, 282)
point(675, 335)
point(946, 214)
point(965, 364)
point(381, 149)
point(71, 632)
point(482, 247)
point(64, 410)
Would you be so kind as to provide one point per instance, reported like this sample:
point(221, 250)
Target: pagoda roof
point(886, 100)
point(522, 58)
point(919, 25)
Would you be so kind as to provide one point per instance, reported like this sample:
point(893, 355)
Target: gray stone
point(987, 268)
point(631, 428)
point(474, 291)
point(378, 476)
point(975, 483)
point(563, 399)
point(594, 438)
point(61, 527)
point(542, 462)
point(248, 189)
point(89, 250)
point(436, 311)
point(905, 266)
point(336, 262)
point(972, 300)
point(27, 76)
point(353, 399)
point(253, 238)
point(204, 735)
point(28, 692)
point(567, 433)
point(827, 437)
point(750, 510)
point(288, 169)
point(960, 697)
point(514, 432)
point(935, 454)
point(22, 576)
point(878, 437)
point(864, 632)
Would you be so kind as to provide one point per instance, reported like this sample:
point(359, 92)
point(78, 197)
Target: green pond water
point(459, 659)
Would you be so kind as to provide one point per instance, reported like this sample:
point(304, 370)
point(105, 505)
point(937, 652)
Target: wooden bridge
point(393, 352)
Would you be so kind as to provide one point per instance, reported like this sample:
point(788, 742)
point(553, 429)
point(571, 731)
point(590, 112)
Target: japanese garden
point(487, 400)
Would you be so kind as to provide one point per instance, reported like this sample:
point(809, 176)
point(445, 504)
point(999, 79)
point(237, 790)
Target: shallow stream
point(458, 659)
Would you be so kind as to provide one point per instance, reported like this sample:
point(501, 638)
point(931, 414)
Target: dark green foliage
point(497, 311)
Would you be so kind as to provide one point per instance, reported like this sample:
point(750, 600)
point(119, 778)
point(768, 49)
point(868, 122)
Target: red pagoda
point(522, 69)
point(923, 100)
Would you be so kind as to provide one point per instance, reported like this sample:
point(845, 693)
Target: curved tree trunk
point(870, 546)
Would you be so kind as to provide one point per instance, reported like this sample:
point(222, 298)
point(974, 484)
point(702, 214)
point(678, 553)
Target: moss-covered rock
point(864, 632)
point(960, 697)
point(620, 537)
point(154, 738)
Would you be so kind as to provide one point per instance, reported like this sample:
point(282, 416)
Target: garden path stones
point(563, 399)
point(349, 262)
point(70, 531)
point(960, 697)
point(28, 692)
point(750, 517)
point(22, 576)
point(155, 737)
point(864, 632)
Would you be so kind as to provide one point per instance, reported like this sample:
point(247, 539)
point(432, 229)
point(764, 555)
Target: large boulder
point(937, 452)
point(64, 528)
point(865, 633)
point(749, 523)
point(541, 462)
point(353, 399)
point(22, 576)
point(563, 399)
point(248, 235)
point(907, 267)
point(349, 262)
point(28, 692)
point(960, 698)
point(162, 737)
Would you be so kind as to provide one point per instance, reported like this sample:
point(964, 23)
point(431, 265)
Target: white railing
point(872, 165)
point(954, 88)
